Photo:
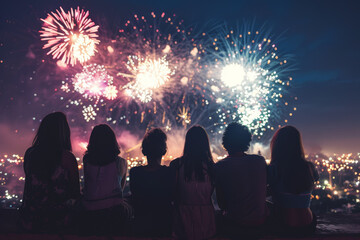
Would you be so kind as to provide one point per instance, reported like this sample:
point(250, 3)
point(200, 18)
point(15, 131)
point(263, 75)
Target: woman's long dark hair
point(197, 153)
point(51, 139)
point(103, 146)
point(287, 154)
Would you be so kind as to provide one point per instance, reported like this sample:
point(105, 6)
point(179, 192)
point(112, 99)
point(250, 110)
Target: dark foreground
point(330, 226)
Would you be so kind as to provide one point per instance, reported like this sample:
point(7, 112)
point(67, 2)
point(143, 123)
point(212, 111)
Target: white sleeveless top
point(102, 187)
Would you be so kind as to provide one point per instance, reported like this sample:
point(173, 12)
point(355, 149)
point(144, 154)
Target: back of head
point(103, 146)
point(52, 138)
point(196, 153)
point(288, 155)
point(236, 138)
point(154, 144)
point(286, 146)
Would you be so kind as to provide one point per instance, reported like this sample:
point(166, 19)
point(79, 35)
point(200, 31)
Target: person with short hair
point(104, 179)
point(291, 179)
point(51, 177)
point(151, 187)
point(194, 216)
point(240, 183)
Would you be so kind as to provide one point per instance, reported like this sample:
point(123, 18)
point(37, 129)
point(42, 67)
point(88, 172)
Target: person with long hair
point(152, 187)
point(291, 179)
point(104, 181)
point(194, 216)
point(51, 177)
point(240, 185)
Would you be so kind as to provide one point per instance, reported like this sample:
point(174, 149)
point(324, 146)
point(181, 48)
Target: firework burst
point(248, 80)
point(156, 66)
point(149, 74)
point(89, 113)
point(94, 82)
point(71, 36)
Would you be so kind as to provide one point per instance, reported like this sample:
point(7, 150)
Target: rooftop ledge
point(330, 226)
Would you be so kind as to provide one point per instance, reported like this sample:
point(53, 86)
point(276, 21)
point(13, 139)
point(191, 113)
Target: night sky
point(322, 36)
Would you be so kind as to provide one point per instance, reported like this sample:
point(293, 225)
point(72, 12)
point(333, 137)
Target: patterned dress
point(46, 202)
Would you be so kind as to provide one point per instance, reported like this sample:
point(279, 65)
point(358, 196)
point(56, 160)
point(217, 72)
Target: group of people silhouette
point(175, 201)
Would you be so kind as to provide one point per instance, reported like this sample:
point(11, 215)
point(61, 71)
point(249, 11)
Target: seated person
point(152, 187)
point(240, 183)
point(104, 180)
point(52, 178)
point(194, 216)
point(291, 180)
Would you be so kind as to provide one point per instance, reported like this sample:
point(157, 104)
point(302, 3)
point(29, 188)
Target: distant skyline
point(322, 36)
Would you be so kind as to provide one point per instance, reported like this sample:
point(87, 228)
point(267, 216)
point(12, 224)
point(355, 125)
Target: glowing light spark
point(233, 75)
point(168, 126)
point(149, 74)
point(94, 82)
point(89, 113)
point(71, 36)
point(184, 116)
point(110, 92)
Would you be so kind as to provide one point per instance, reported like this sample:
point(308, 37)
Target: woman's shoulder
point(68, 154)
point(313, 170)
point(68, 159)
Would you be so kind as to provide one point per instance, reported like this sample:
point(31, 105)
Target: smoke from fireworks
point(71, 36)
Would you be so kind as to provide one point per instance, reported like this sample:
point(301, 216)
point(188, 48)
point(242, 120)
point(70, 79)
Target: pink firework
point(94, 82)
point(71, 36)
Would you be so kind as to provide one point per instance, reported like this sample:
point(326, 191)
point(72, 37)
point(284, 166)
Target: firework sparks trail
point(252, 78)
point(184, 116)
point(71, 36)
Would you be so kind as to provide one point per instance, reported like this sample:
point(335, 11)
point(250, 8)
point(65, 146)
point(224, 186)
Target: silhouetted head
point(103, 147)
point(286, 146)
point(154, 145)
point(197, 142)
point(53, 133)
point(196, 153)
point(51, 139)
point(236, 138)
